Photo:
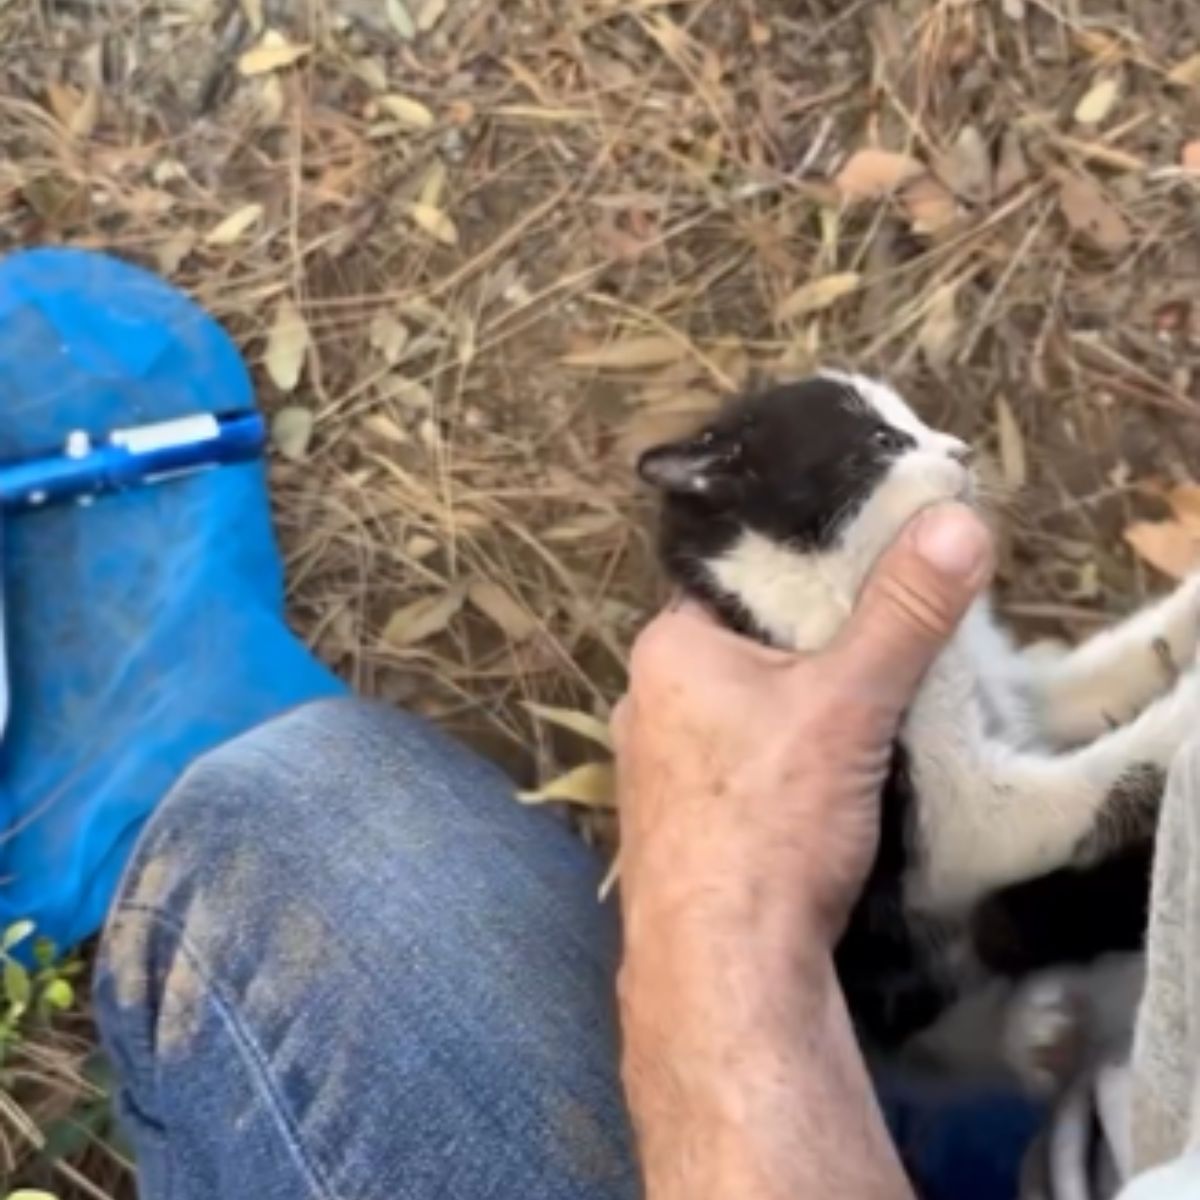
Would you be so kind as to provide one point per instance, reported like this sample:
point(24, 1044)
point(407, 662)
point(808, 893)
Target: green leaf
point(17, 985)
point(30, 1194)
point(59, 995)
point(16, 933)
point(44, 952)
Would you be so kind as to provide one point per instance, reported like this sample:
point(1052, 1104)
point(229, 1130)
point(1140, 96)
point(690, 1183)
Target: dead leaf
point(1185, 504)
point(578, 722)
point(423, 618)
point(63, 101)
point(1186, 73)
point(174, 250)
point(287, 345)
point(1190, 157)
point(434, 222)
point(1012, 168)
point(406, 110)
point(594, 785)
point(291, 431)
point(237, 223)
point(938, 335)
point(253, 10)
point(401, 19)
point(498, 605)
point(1088, 211)
point(872, 174)
point(630, 354)
point(968, 166)
point(270, 100)
point(817, 295)
point(431, 13)
point(930, 205)
point(83, 120)
point(1098, 101)
point(388, 336)
point(1166, 545)
point(433, 185)
point(273, 53)
point(586, 526)
point(1012, 445)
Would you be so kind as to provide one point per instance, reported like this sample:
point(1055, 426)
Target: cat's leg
point(989, 816)
point(1112, 676)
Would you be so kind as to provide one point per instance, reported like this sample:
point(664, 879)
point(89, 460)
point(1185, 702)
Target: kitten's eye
point(888, 439)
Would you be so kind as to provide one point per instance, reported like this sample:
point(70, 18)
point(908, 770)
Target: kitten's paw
point(1045, 1033)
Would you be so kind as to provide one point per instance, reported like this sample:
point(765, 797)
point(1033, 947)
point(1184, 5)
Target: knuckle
point(921, 607)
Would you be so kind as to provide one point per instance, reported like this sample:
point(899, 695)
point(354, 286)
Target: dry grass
point(526, 239)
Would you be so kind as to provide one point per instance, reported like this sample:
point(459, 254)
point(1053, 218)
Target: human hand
point(749, 799)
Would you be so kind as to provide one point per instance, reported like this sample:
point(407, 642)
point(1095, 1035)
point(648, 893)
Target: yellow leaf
point(273, 53)
point(433, 185)
point(499, 606)
point(1186, 73)
point(431, 13)
point(592, 786)
point(817, 294)
point(253, 11)
point(871, 174)
point(234, 225)
point(287, 344)
point(1098, 101)
point(423, 618)
point(434, 222)
point(291, 431)
point(1012, 444)
point(631, 354)
point(1088, 211)
point(1165, 545)
point(401, 19)
point(578, 722)
point(406, 110)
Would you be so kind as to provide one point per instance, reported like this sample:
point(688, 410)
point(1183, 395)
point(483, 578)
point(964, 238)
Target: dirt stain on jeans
point(127, 939)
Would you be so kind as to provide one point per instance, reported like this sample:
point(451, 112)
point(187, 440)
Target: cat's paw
point(1045, 1033)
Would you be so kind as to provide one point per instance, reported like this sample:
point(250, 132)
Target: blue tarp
point(144, 629)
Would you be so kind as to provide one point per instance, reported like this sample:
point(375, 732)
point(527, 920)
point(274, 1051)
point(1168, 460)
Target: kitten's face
point(831, 467)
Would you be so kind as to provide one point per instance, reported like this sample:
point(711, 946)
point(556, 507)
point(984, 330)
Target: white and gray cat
point(1018, 819)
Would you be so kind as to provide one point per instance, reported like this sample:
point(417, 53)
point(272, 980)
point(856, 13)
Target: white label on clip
point(182, 432)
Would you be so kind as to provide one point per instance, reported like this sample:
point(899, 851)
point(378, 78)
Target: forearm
point(761, 1096)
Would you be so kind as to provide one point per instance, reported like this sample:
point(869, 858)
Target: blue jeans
point(345, 965)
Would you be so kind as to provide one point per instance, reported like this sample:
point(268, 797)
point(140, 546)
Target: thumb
point(913, 601)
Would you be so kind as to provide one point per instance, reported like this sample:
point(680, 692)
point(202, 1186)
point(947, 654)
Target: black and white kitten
point(1018, 818)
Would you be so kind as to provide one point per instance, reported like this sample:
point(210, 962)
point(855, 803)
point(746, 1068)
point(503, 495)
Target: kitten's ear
point(693, 467)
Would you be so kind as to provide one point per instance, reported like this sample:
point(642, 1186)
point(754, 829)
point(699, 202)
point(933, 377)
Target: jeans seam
point(252, 1053)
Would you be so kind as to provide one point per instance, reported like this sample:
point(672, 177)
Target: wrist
point(767, 1110)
